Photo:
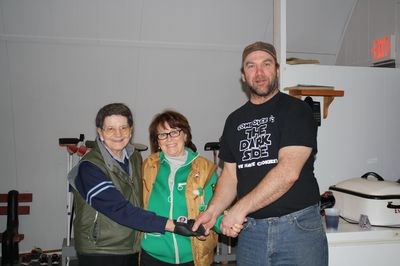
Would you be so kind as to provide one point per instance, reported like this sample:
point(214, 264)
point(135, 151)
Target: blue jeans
point(296, 239)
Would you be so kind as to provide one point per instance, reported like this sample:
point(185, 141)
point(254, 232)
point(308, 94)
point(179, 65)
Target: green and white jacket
point(187, 194)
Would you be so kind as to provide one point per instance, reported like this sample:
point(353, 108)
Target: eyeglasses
point(111, 131)
point(172, 134)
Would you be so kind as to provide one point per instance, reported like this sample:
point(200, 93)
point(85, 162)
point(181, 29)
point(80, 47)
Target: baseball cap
point(259, 46)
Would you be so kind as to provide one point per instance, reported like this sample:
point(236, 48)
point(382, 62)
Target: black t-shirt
point(252, 137)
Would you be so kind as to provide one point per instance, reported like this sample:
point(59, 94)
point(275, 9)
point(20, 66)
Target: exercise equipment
point(9, 241)
point(75, 150)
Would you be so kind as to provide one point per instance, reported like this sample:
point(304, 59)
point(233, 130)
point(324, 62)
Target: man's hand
point(235, 230)
point(232, 223)
point(205, 219)
point(185, 229)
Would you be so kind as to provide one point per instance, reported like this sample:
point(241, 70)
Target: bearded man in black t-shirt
point(268, 147)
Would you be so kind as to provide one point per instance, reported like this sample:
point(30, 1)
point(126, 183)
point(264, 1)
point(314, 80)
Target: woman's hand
point(170, 226)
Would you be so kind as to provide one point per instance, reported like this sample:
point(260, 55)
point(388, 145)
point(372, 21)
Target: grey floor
point(75, 263)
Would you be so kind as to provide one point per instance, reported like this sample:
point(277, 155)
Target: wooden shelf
point(328, 94)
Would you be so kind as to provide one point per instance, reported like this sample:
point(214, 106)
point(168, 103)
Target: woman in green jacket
point(177, 183)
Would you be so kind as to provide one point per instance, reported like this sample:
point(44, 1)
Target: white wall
point(315, 28)
point(361, 131)
point(60, 61)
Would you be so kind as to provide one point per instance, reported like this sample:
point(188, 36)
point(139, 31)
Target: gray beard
point(271, 89)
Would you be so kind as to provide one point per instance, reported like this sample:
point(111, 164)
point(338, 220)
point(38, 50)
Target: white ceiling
point(313, 26)
point(317, 26)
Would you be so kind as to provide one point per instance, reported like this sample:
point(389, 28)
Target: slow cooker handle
point(372, 174)
point(392, 206)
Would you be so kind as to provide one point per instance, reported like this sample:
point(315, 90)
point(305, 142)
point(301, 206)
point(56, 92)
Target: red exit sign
point(383, 49)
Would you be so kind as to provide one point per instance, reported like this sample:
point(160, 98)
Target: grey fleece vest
point(93, 231)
